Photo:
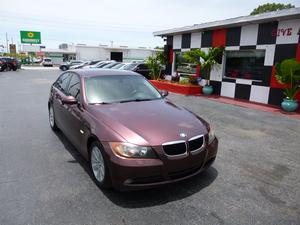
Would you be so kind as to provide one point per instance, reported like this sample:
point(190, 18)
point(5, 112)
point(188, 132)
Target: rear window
point(47, 60)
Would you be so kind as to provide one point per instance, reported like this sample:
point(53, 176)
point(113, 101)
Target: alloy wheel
point(51, 117)
point(97, 163)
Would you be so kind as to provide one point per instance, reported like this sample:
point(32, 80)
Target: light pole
point(6, 43)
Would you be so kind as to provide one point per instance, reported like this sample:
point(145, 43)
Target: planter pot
point(184, 89)
point(289, 105)
point(207, 90)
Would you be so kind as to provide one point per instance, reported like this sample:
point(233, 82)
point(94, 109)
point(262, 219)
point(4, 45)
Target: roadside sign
point(30, 37)
point(12, 48)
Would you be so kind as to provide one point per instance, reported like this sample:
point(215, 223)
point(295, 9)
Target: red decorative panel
point(177, 88)
point(219, 38)
point(298, 97)
point(298, 52)
point(171, 56)
point(274, 83)
point(198, 70)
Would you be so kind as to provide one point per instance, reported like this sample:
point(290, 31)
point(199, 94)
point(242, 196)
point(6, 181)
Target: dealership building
point(253, 45)
point(67, 52)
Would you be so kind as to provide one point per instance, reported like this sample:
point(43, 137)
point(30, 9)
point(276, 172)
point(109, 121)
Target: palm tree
point(206, 61)
point(288, 72)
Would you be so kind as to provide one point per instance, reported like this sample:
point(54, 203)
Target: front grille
point(174, 148)
point(196, 143)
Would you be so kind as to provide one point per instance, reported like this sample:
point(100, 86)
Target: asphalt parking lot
point(43, 180)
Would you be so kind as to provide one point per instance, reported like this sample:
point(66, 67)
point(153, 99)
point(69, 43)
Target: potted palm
point(288, 73)
point(206, 61)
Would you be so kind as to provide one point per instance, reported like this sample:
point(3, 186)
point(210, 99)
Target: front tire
point(98, 166)
point(52, 119)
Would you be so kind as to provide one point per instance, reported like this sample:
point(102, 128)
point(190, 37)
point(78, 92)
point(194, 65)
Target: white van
point(47, 62)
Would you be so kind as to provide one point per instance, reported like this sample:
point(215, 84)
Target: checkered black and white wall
point(280, 40)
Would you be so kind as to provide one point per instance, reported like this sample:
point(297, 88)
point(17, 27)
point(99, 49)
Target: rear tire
point(98, 166)
point(8, 68)
point(52, 119)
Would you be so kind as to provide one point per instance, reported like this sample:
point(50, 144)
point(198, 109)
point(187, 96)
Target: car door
point(60, 88)
point(75, 112)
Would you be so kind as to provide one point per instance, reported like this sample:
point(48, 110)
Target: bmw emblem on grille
point(182, 135)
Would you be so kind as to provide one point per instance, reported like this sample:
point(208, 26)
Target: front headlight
point(132, 151)
point(211, 135)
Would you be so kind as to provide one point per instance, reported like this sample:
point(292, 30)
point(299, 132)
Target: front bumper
point(134, 174)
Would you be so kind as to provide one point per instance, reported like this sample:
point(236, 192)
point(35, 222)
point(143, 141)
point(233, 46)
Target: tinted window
point(62, 82)
point(74, 87)
point(143, 67)
point(246, 64)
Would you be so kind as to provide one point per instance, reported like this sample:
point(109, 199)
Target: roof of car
point(102, 72)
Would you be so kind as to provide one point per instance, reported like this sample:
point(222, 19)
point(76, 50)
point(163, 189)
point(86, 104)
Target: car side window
point(142, 67)
point(74, 87)
point(63, 82)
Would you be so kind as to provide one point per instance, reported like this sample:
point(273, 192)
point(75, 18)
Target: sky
point(120, 22)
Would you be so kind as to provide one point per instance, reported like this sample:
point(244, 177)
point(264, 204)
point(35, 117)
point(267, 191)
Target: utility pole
point(7, 50)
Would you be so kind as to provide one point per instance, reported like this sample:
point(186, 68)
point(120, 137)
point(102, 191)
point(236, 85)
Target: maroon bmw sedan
point(131, 135)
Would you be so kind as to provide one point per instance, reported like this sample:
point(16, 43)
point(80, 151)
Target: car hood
point(149, 122)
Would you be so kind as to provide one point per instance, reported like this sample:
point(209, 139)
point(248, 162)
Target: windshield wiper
point(137, 100)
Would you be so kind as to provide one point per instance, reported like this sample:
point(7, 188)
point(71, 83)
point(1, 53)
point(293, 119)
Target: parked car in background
point(19, 63)
point(84, 64)
point(100, 64)
point(140, 68)
point(47, 62)
point(3, 65)
point(67, 65)
point(126, 148)
point(79, 66)
point(10, 63)
point(119, 66)
point(110, 65)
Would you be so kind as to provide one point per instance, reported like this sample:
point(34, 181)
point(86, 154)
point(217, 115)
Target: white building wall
point(103, 53)
point(139, 54)
point(91, 53)
point(30, 48)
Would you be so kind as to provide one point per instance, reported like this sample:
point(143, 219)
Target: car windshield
point(119, 88)
point(129, 66)
point(47, 60)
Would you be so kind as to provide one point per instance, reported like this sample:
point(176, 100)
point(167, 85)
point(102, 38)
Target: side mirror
point(164, 93)
point(69, 100)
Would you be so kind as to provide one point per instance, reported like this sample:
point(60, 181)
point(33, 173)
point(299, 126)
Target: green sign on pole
point(30, 37)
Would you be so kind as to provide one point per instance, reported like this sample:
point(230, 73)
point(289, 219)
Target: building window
point(245, 64)
point(182, 67)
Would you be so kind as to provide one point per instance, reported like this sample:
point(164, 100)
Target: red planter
point(185, 89)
